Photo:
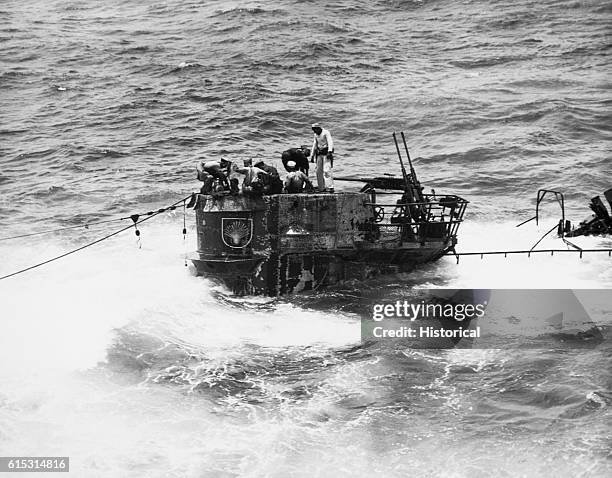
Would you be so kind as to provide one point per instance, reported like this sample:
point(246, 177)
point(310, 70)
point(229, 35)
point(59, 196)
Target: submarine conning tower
point(286, 243)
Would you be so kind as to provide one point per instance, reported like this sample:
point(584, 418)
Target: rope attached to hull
point(135, 219)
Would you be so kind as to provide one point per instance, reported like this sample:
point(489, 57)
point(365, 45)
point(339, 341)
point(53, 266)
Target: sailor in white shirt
point(322, 150)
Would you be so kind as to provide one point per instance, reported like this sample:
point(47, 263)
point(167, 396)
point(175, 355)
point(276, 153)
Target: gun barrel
point(399, 155)
point(357, 180)
point(382, 182)
point(415, 181)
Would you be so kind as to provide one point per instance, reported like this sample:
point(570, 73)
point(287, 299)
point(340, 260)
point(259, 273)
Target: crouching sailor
point(295, 181)
point(299, 156)
point(214, 175)
point(274, 184)
point(322, 153)
point(254, 178)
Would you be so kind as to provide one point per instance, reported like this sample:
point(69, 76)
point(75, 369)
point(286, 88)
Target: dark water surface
point(122, 359)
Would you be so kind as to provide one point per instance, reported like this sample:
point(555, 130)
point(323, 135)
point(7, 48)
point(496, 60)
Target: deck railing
point(437, 217)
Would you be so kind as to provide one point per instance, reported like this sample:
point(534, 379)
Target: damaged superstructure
point(599, 223)
point(285, 243)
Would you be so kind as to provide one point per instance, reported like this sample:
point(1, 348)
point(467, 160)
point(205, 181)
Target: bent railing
point(437, 217)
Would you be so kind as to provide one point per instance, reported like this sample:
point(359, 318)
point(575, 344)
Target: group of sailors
point(222, 176)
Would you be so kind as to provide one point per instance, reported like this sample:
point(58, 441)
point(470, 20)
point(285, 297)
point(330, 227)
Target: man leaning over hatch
point(299, 156)
point(296, 180)
point(275, 185)
point(322, 153)
point(217, 169)
point(254, 180)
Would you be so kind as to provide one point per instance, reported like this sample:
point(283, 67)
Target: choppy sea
point(124, 360)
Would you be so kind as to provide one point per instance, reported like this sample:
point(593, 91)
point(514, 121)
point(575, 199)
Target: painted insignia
point(236, 232)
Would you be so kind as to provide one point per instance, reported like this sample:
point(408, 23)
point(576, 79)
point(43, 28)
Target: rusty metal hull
point(297, 272)
point(289, 243)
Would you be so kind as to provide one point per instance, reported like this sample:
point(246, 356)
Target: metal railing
point(436, 217)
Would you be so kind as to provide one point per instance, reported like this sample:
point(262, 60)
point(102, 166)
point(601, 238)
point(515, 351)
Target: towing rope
point(192, 200)
point(49, 231)
point(135, 219)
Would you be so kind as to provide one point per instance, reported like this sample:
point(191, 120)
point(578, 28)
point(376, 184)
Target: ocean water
point(122, 359)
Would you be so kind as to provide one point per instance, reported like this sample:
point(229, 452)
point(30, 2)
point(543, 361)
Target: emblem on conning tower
point(236, 232)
